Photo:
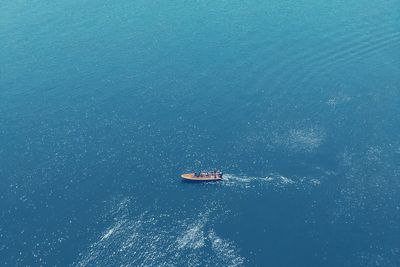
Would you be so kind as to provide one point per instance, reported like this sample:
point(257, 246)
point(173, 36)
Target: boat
point(202, 177)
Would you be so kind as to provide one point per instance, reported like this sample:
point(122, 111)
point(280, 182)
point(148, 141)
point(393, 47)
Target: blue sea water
point(103, 104)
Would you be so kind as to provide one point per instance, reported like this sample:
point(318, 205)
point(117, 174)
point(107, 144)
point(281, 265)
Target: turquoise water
point(103, 104)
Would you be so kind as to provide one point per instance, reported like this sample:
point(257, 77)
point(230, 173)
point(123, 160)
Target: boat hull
point(190, 177)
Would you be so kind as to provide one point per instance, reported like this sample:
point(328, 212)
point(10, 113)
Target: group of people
point(214, 174)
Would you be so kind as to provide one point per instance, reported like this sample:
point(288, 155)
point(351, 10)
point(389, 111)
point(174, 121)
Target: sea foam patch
point(147, 239)
point(193, 237)
point(225, 250)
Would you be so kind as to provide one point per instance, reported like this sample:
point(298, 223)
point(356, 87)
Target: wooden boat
point(201, 178)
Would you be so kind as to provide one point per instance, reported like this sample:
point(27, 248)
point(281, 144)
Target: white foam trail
point(272, 180)
point(231, 179)
point(285, 180)
point(111, 230)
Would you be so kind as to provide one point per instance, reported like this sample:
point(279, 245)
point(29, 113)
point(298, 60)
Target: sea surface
point(103, 104)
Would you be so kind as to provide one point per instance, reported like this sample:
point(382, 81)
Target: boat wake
point(274, 180)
